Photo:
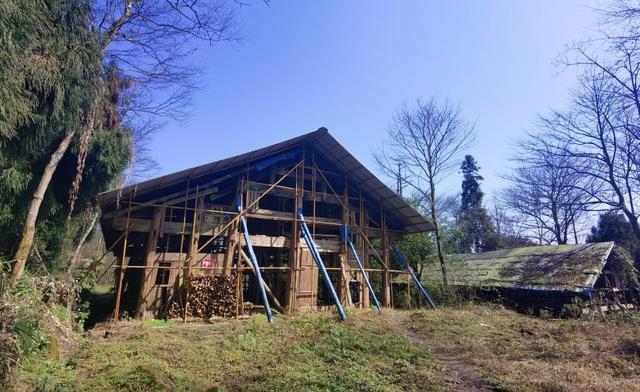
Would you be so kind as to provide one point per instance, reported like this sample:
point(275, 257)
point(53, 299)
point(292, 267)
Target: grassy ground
point(474, 348)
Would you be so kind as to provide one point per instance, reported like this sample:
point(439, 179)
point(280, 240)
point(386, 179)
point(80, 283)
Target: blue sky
point(349, 65)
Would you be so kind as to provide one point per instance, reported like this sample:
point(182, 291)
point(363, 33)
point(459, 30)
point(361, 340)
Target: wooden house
point(171, 229)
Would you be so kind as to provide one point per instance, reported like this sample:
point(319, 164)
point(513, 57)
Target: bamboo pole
point(116, 311)
point(344, 254)
point(386, 278)
point(179, 279)
point(193, 245)
point(314, 179)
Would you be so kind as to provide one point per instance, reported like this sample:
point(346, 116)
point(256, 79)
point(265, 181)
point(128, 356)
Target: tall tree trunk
point(434, 218)
point(76, 255)
point(28, 234)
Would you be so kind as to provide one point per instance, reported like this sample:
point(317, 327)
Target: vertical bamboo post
point(386, 278)
point(363, 252)
point(180, 276)
point(193, 247)
point(228, 253)
point(345, 276)
point(239, 282)
point(236, 248)
point(294, 256)
point(116, 311)
point(314, 179)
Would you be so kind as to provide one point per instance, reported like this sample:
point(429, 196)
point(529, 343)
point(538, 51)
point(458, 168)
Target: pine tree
point(471, 193)
point(478, 231)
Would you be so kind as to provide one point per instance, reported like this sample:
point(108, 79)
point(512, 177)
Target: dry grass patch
point(512, 352)
point(475, 348)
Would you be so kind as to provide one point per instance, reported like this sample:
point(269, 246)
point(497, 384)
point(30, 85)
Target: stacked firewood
point(208, 296)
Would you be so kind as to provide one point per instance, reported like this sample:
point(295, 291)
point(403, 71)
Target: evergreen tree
point(478, 232)
point(471, 193)
point(49, 62)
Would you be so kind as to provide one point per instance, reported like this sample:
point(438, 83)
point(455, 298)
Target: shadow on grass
point(101, 302)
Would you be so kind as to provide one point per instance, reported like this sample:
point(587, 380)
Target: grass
point(397, 351)
point(512, 352)
point(312, 353)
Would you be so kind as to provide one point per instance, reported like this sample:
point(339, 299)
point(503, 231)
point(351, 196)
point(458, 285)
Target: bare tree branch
point(425, 142)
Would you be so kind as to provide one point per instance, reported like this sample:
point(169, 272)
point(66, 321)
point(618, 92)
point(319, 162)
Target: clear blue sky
point(349, 65)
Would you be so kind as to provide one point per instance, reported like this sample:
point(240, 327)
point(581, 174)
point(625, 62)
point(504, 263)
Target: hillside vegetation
point(476, 348)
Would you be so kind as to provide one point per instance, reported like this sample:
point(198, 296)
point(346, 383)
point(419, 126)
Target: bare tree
point(510, 227)
point(546, 192)
point(149, 42)
point(602, 125)
point(426, 141)
point(599, 137)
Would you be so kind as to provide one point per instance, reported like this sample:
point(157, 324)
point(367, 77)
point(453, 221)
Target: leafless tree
point(426, 141)
point(149, 42)
point(603, 124)
point(598, 135)
point(545, 192)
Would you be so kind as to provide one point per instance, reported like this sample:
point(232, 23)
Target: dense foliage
point(47, 82)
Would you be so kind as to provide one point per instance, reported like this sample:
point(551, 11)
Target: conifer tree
point(478, 231)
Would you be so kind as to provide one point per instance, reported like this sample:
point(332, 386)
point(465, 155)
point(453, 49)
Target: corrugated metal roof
point(330, 150)
point(554, 267)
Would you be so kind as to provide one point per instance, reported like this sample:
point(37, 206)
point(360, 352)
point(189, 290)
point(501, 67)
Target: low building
point(546, 277)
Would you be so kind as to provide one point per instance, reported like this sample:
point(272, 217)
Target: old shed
point(546, 276)
point(212, 224)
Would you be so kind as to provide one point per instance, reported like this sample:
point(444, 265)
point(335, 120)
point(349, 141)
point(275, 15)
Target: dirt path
point(457, 375)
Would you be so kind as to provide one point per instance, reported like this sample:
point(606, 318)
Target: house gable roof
point(553, 268)
point(324, 144)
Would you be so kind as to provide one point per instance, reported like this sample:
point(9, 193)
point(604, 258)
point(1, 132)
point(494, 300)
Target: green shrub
point(454, 296)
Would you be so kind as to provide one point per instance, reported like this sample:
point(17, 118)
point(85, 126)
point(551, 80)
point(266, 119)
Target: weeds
point(392, 351)
point(31, 319)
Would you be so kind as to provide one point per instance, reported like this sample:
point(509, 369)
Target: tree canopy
point(47, 80)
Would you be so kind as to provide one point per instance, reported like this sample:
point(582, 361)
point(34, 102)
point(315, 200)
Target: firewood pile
point(209, 296)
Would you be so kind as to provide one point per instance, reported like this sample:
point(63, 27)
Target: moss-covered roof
point(554, 267)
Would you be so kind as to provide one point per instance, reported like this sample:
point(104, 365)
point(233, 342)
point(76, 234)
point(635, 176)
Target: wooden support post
point(364, 254)
point(345, 270)
point(236, 249)
point(294, 253)
point(179, 281)
point(149, 273)
point(232, 240)
point(314, 179)
point(386, 277)
point(239, 282)
point(116, 311)
point(193, 249)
